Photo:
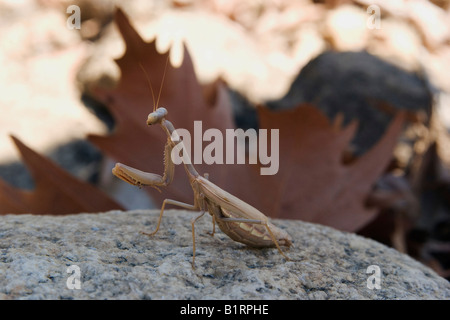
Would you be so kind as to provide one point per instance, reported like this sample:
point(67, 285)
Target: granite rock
point(45, 257)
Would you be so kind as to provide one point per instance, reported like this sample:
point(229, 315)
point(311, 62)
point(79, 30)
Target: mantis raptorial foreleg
point(141, 178)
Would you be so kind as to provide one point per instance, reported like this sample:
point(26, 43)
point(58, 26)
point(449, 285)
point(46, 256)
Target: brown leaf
point(314, 182)
point(56, 191)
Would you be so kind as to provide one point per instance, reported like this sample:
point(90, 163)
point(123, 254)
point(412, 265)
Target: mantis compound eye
point(156, 116)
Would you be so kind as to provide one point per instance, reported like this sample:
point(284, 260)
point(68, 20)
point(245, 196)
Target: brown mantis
point(237, 219)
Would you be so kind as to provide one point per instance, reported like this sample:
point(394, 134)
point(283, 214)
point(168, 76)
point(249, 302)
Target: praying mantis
point(236, 218)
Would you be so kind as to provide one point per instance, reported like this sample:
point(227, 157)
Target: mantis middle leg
point(173, 202)
point(193, 220)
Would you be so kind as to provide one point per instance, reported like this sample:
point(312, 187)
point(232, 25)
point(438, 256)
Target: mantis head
point(156, 116)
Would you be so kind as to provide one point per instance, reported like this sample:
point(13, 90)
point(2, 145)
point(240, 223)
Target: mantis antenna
point(155, 106)
point(149, 84)
point(162, 81)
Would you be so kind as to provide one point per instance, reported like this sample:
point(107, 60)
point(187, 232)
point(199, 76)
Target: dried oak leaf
point(313, 183)
point(56, 191)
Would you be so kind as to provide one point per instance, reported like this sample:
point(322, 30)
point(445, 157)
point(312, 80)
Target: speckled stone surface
point(115, 261)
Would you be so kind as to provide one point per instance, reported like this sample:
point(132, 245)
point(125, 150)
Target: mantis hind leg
point(206, 176)
point(193, 221)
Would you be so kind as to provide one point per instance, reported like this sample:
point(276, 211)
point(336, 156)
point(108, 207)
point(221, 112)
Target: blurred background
point(267, 51)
